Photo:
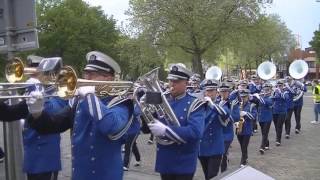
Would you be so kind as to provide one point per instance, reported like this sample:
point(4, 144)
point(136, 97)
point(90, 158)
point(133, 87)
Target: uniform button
point(72, 146)
point(72, 169)
point(72, 158)
point(93, 172)
point(91, 134)
point(39, 137)
point(78, 111)
point(74, 134)
point(91, 147)
point(188, 102)
point(185, 109)
point(38, 147)
point(93, 158)
point(210, 134)
point(181, 117)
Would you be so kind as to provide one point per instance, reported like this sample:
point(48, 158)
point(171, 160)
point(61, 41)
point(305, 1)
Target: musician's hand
point(157, 128)
point(243, 113)
point(256, 95)
point(84, 90)
point(36, 102)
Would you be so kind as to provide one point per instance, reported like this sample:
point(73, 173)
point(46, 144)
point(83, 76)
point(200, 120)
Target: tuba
point(150, 83)
point(298, 69)
point(266, 70)
point(214, 72)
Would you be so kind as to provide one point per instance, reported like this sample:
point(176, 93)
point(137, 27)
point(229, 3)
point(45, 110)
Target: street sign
point(23, 21)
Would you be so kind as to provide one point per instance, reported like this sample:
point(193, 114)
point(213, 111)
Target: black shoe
point(266, 148)
point(261, 151)
point(297, 131)
point(278, 143)
point(287, 136)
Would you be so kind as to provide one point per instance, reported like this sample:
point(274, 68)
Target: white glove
point(243, 113)
point(157, 128)
point(84, 90)
point(207, 98)
point(256, 95)
point(36, 102)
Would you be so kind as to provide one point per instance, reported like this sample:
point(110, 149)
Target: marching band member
point(298, 103)
point(194, 83)
point(255, 87)
point(291, 93)
point(97, 123)
point(178, 160)
point(228, 133)
point(264, 114)
point(131, 138)
point(212, 142)
point(243, 84)
point(38, 149)
point(280, 97)
point(244, 125)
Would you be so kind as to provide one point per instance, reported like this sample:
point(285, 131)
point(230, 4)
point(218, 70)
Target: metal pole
point(12, 131)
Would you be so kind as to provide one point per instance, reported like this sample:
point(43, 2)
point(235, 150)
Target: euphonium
point(241, 121)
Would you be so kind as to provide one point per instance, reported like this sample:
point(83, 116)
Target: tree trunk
point(197, 65)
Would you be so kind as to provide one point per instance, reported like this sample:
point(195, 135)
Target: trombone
point(67, 82)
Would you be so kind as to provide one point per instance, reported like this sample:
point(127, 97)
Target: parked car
point(308, 83)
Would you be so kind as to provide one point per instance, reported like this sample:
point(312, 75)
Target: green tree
point(315, 42)
point(71, 28)
point(192, 26)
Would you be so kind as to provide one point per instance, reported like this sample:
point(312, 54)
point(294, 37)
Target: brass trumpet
point(67, 82)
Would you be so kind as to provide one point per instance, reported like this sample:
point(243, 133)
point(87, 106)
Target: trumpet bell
point(214, 72)
point(298, 69)
point(266, 70)
point(66, 82)
point(14, 70)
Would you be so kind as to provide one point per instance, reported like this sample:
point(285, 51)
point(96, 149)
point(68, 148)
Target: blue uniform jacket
point(280, 102)
point(212, 141)
point(95, 154)
point(254, 88)
point(299, 102)
point(42, 152)
point(228, 131)
point(248, 119)
point(98, 126)
point(265, 109)
point(181, 156)
point(291, 94)
point(135, 126)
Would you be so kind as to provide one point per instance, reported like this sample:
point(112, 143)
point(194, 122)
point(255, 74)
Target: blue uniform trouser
point(244, 143)
point(44, 176)
point(287, 123)
point(210, 165)
point(297, 115)
point(265, 127)
point(278, 120)
point(131, 146)
point(224, 162)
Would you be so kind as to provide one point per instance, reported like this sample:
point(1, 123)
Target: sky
point(302, 17)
